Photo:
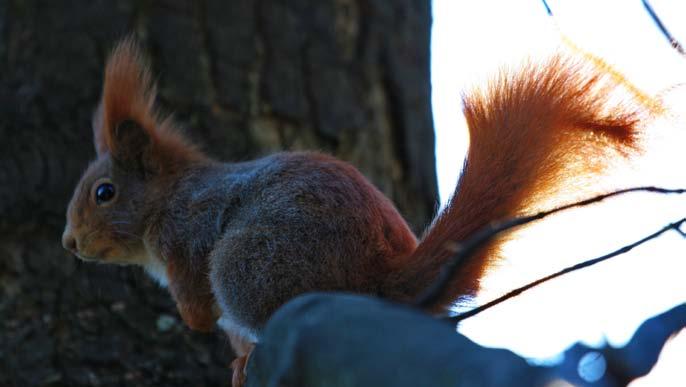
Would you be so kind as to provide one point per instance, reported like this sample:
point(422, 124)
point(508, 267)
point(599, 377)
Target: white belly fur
point(227, 323)
point(158, 271)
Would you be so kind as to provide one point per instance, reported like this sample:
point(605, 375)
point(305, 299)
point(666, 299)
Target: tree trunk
point(245, 78)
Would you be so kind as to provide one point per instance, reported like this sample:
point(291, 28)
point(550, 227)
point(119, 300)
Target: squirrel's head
point(139, 158)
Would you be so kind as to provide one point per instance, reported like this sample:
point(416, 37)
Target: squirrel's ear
point(129, 145)
point(125, 118)
point(98, 136)
point(126, 125)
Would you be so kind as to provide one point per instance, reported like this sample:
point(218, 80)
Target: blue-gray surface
point(349, 340)
point(342, 340)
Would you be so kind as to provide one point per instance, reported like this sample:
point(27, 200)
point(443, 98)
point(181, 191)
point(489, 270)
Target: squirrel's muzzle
point(68, 241)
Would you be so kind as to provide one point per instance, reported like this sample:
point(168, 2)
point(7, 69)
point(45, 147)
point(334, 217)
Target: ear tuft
point(98, 137)
point(127, 109)
point(128, 94)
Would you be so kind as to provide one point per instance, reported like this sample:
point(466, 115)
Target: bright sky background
point(472, 39)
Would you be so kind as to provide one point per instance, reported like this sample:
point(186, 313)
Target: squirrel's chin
point(107, 255)
point(86, 258)
point(100, 258)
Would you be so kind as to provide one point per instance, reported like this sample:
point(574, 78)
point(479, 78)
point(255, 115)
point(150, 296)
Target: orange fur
point(239, 366)
point(650, 103)
point(532, 132)
point(192, 294)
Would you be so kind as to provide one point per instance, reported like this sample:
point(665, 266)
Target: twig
point(484, 235)
point(672, 226)
point(672, 40)
point(547, 8)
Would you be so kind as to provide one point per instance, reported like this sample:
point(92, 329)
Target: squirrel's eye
point(104, 193)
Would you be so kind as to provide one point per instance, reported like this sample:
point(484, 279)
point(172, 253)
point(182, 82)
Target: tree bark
point(244, 78)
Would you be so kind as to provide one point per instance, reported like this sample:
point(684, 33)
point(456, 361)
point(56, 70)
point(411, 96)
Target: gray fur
point(274, 228)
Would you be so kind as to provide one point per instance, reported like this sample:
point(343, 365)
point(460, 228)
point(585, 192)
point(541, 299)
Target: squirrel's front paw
point(239, 364)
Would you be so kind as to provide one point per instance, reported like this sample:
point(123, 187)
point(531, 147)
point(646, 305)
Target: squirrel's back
point(306, 222)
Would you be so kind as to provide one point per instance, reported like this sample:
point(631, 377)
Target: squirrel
point(234, 241)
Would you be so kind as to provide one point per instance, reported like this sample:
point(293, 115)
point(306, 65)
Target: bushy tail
point(532, 132)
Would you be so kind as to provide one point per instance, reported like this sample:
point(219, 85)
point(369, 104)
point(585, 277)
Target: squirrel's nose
point(69, 242)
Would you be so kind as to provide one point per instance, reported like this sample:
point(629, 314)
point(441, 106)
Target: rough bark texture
point(350, 77)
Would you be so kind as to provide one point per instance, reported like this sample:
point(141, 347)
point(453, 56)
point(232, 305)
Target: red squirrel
point(235, 241)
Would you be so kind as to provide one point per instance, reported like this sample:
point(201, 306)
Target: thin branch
point(672, 226)
point(465, 249)
point(672, 40)
point(658, 22)
point(547, 8)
